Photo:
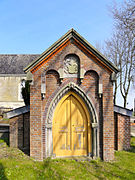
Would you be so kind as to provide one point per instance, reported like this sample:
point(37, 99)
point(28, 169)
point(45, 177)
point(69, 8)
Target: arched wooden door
point(71, 127)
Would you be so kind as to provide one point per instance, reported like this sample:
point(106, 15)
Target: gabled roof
point(15, 63)
point(72, 34)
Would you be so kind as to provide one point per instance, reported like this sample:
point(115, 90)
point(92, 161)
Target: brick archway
point(92, 112)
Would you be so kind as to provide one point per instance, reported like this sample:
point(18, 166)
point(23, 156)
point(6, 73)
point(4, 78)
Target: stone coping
point(25, 109)
point(123, 111)
point(16, 112)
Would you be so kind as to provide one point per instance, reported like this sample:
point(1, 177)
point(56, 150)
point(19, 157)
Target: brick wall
point(104, 106)
point(36, 118)
point(122, 132)
point(20, 132)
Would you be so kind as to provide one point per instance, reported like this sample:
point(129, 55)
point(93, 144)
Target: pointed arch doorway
point(71, 127)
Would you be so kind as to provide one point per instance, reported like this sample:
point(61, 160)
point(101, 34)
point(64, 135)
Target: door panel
point(79, 127)
point(70, 128)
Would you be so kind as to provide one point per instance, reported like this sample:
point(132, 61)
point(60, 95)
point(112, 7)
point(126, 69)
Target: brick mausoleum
point(71, 104)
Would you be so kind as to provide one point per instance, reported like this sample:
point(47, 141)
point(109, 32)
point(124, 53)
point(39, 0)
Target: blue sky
point(31, 26)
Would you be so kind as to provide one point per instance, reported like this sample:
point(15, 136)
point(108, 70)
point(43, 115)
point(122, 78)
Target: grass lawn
point(15, 165)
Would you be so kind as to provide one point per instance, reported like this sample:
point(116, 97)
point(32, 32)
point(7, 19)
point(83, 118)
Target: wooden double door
point(71, 127)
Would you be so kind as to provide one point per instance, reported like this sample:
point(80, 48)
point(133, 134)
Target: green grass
point(4, 140)
point(1, 141)
point(15, 165)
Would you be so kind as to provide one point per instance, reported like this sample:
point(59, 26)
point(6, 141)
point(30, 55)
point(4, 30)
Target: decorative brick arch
point(93, 115)
point(79, 91)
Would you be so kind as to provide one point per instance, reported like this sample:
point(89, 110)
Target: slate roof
point(15, 63)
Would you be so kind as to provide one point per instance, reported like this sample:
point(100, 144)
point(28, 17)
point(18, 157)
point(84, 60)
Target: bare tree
point(120, 48)
point(125, 16)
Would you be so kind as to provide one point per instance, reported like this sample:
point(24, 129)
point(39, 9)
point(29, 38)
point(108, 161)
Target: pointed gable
point(71, 37)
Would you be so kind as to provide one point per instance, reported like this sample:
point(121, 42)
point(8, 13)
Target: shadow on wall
point(2, 172)
point(20, 132)
point(5, 137)
point(24, 133)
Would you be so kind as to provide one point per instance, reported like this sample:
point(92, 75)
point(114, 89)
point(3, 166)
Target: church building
point(71, 101)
